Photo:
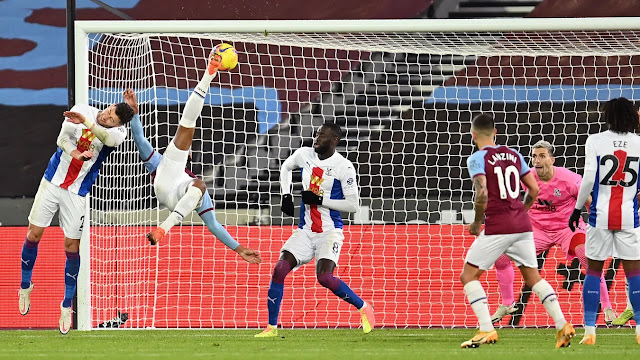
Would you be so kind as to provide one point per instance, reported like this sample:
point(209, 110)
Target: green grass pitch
point(411, 344)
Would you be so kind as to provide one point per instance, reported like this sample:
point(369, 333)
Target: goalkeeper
point(175, 186)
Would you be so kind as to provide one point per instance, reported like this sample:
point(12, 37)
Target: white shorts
point(49, 199)
point(486, 249)
point(171, 181)
point(305, 245)
point(622, 244)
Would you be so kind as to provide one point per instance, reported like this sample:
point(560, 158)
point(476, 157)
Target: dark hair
point(620, 115)
point(124, 112)
point(335, 128)
point(483, 123)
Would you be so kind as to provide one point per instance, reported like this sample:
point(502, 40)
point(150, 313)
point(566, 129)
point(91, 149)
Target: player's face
point(325, 141)
point(542, 161)
point(108, 117)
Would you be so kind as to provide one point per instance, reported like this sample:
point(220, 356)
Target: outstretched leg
point(178, 152)
point(276, 290)
point(504, 274)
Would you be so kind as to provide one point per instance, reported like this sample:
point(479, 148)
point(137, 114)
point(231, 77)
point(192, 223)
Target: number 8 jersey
point(615, 159)
point(503, 167)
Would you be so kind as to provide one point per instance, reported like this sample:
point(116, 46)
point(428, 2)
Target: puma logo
point(26, 262)
point(273, 300)
point(72, 276)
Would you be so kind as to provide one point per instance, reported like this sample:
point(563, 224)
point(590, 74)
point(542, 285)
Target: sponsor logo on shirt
point(545, 205)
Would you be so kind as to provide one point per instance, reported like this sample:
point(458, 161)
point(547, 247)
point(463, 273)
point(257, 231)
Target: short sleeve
point(590, 155)
point(524, 168)
point(348, 180)
point(118, 134)
point(475, 163)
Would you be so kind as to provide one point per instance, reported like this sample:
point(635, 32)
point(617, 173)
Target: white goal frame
point(84, 28)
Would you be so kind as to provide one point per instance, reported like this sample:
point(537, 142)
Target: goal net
point(404, 93)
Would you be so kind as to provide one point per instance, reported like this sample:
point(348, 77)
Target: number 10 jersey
point(615, 158)
point(503, 168)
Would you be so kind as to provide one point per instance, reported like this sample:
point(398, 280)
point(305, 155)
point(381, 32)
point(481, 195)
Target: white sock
point(626, 290)
point(192, 110)
point(637, 330)
point(589, 330)
point(550, 301)
point(203, 86)
point(478, 300)
point(184, 207)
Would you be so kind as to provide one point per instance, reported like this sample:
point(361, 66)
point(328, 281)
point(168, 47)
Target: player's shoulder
point(477, 156)
point(565, 174)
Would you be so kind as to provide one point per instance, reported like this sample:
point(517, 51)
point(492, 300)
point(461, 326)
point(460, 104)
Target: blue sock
point(345, 293)
point(71, 269)
point(274, 298)
point(634, 296)
point(591, 299)
point(29, 254)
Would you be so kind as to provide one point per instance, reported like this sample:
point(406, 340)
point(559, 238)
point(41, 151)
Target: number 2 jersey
point(615, 159)
point(503, 168)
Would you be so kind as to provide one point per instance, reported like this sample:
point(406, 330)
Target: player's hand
point(250, 256)
point(74, 117)
point(310, 198)
point(574, 219)
point(475, 228)
point(130, 98)
point(82, 156)
point(287, 204)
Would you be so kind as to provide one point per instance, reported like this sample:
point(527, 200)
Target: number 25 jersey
point(503, 168)
point(615, 158)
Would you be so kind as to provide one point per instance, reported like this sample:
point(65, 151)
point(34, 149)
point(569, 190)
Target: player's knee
point(577, 240)
point(329, 281)
point(35, 234)
point(71, 245)
point(200, 185)
point(280, 271)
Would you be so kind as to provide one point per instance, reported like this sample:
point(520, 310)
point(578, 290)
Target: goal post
point(403, 90)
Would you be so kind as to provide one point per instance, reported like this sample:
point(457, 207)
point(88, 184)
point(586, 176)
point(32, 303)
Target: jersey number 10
point(505, 181)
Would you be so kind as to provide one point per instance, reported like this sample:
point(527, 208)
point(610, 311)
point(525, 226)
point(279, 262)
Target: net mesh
point(405, 101)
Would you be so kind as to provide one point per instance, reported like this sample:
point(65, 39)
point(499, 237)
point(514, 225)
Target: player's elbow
point(110, 142)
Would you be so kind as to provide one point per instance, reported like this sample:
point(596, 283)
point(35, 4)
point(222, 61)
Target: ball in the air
point(228, 56)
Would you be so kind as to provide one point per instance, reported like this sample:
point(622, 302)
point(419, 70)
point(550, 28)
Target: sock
point(591, 297)
point(504, 273)
point(193, 107)
point(604, 292)
point(185, 206)
point(340, 289)
point(29, 254)
point(626, 289)
point(550, 301)
point(71, 269)
point(634, 293)
point(276, 290)
point(478, 301)
point(589, 330)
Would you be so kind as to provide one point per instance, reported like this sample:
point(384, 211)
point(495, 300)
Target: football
point(228, 56)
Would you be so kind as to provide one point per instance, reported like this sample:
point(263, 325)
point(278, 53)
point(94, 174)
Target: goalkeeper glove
point(574, 219)
point(310, 198)
point(287, 204)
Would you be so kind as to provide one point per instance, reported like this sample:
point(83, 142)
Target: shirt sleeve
point(575, 184)
point(348, 181)
point(285, 172)
point(524, 168)
point(117, 135)
point(475, 164)
point(590, 156)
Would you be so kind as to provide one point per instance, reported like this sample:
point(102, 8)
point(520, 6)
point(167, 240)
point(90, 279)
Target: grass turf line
point(411, 344)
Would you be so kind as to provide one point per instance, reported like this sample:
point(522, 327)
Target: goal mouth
point(403, 91)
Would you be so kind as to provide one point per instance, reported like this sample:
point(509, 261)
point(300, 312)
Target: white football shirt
point(615, 158)
point(334, 178)
point(75, 175)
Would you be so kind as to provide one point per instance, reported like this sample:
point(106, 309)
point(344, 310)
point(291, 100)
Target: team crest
point(556, 193)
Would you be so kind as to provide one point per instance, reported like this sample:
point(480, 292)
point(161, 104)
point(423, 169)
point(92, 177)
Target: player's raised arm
point(66, 143)
point(145, 150)
point(108, 126)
